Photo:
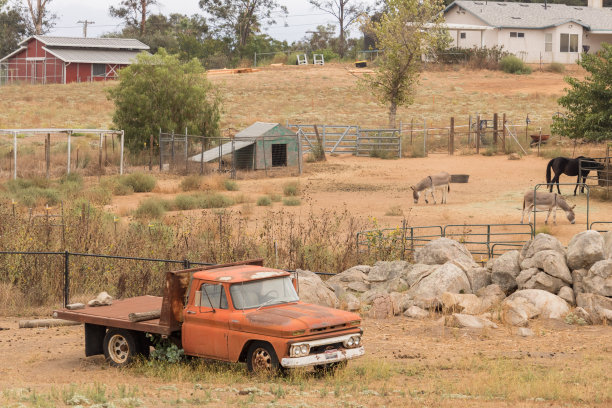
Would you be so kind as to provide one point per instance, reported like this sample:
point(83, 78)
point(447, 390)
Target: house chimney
point(596, 4)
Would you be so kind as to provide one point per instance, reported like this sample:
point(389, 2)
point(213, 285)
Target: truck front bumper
point(332, 356)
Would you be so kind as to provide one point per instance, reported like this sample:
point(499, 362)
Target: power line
point(85, 23)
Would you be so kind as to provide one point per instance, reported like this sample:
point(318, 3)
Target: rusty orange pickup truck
point(239, 312)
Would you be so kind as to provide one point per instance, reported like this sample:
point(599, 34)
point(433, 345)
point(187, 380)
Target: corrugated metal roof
point(94, 56)
point(535, 15)
point(17, 51)
point(259, 129)
point(213, 154)
point(80, 42)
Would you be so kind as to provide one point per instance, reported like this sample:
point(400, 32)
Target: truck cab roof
point(239, 273)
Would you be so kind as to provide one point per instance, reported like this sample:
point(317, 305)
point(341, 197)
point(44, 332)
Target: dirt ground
point(408, 363)
point(372, 188)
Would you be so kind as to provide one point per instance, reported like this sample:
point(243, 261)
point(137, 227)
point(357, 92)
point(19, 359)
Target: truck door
point(206, 323)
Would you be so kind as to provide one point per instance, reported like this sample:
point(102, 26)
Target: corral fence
point(599, 173)
point(192, 154)
point(486, 240)
point(349, 139)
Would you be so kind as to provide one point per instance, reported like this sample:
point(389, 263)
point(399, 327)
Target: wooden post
point(151, 152)
point(478, 134)
point(495, 119)
point(100, 156)
point(105, 151)
point(504, 132)
point(48, 154)
point(451, 139)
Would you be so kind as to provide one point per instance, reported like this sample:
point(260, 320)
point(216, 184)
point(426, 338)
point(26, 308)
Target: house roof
point(80, 42)
point(259, 129)
point(122, 57)
point(536, 15)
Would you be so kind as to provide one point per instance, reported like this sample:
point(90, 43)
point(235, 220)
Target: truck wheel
point(120, 347)
point(262, 359)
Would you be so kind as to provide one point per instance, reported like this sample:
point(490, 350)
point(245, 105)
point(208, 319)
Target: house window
point(520, 35)
point(548, 42)
point(512, 34)
point(99, 70)
point(462, 36)
point(515, 34)
point(568, 43)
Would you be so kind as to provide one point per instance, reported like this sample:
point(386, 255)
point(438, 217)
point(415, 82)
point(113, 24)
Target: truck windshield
point(249, 295)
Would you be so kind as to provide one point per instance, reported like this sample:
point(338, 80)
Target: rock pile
point(543, 279)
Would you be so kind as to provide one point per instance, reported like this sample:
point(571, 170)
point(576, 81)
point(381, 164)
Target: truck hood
point(285, 320)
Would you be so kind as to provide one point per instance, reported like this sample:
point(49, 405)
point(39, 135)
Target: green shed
point(271, 145)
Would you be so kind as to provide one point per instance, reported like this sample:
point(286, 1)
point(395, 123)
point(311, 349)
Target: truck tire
point(120, 347)
point(262, 359)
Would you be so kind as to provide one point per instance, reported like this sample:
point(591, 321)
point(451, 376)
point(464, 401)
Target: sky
point(302, 17)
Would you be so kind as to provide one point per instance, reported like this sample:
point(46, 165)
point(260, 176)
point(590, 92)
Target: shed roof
point(536, 15)
point(260, 129)
point(81, 42)
point(122, 57)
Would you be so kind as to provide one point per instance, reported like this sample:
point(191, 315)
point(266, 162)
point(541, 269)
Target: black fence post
point(66, 278)
point(186, 264)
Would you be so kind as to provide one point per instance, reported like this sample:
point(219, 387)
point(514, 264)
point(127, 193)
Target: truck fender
point(242, 358)
point(94, 337)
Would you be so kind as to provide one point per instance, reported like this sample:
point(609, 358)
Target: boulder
point(416, 312)
point(447, 278)
point(599, 278)
point(405, 302)
point(577, 278)
point(356, 275)
point(383, 271)
point(396, 284)
point(525, 332)
point(468, 321)
point(551, 262)
point(382, 307)
point(584, 249)
point(442, 250)
point(541, 280)
point(566, 293)
point(580, 313)
point(462, 303)
point(369, 296)
point(350, 302)
point(314, 290)
point(396, 302)
point(524, 277)
point(479, 278)
point(491, 296)
point(541, 242)
point(525, 304)
point(598, 307)
point(417, 272)
point(607, 237)
point(358, 286)
point(505, 269)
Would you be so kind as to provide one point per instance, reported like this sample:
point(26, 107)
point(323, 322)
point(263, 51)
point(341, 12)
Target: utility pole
point(85, 23)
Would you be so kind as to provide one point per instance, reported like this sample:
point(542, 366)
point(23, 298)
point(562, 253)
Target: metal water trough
point(459, 178)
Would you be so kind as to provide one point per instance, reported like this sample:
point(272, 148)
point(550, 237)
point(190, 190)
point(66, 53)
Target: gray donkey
point(547, 201)
point(430, 184)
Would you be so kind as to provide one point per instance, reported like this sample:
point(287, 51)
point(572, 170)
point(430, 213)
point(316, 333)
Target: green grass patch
point(292, 201)
point(201, 201)
point(513, 65)
point(151, 208)
point(230, 185)
point(291, 189)
point(264, 201)
point(140, 183)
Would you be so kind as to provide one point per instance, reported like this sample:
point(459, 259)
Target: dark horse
point(570, 167)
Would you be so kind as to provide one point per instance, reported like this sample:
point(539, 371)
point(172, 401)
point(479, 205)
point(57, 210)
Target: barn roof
point(81, 42)
point(259, 129)
point(122, 57)
point(536, 15)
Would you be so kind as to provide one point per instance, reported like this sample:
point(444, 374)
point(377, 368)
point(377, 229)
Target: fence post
point(161, 165)
point(186, 151)
point(299, 147)
point(172, 153)
point(202, 157)
point(425, 138)
point(469, 141)
point(504, 132)
point(495, 128)
point(66, 278)
point(69, 142)
point(186, 264)
point(233, 176)
point(100, 158)
point(151, 152)
point(121, 150)
point(48, 154)
point(451, 141)
point(477, 134)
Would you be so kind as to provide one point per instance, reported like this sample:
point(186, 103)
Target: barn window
point(520, 35)
point(568, 43)
point(279, 155)
point(463, 35)
point(548, 42)
point(99, 70)
point(512, 34)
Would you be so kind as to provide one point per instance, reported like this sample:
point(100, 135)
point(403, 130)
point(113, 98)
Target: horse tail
point(550, 164)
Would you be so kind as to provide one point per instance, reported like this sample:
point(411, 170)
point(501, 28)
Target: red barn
point(61, 60)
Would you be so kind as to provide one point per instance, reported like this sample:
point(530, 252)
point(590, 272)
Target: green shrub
point(230, 185)
point(151, 208)
point(33, 196)
point(556, 67)
point(291, 189)
point(202, 201)
point(186, 202)
point(264, 201)
point(140, 183)
point(122, 189)
point(191, 183)
point(292, 201)
point(513, 65)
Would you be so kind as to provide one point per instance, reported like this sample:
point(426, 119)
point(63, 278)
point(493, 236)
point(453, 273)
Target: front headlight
point(352, 342)
point(299, 350)
point(304, 349)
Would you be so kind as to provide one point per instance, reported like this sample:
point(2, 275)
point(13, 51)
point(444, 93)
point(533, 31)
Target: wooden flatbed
point(116, 315)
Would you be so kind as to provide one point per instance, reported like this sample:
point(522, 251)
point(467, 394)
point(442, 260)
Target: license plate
point(329, 354)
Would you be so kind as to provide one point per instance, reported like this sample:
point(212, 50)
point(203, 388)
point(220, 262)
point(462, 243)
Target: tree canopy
point(407, 30)
point(159, 91)
point(588, 102)
point(13, 27)
point(134, 13)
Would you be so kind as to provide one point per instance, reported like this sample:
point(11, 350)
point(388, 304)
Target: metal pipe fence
point(598, 170)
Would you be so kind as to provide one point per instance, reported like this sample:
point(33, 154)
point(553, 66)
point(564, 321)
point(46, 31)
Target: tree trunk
point(143, 17)
point(392, 113)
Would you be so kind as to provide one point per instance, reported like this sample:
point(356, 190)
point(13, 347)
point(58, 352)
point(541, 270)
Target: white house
point(534, 32)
